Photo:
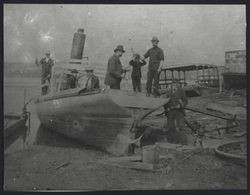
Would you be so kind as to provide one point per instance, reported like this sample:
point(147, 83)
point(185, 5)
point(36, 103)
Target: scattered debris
point(133, 165)
point(150, 154)
point(165, 170)
point(136, 158)
point(62, 165)
point(135, 162)
point(214, 137)
point(169, 184)
point(240, 134)
point(241, 92)
point(197, 151)
point(228, 102)
point(233, 110)
point(176, 147)
point(126, 158)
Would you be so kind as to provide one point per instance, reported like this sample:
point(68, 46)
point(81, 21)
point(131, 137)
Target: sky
point(187, 33)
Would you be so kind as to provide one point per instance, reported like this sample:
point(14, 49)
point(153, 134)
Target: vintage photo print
point(103, 97)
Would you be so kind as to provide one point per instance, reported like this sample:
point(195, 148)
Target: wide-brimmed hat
point(155, 39)
point(89, 68)
point(119, 48)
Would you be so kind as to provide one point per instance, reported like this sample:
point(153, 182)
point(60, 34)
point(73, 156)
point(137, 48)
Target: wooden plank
point(229, 102)
point(133, 165)
point(131, 158)
point(240, 134)
point(125, 158)
point(177, 147)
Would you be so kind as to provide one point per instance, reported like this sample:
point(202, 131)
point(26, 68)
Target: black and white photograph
point(104, 97)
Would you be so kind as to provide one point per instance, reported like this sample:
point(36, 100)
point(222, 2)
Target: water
point(14, 98)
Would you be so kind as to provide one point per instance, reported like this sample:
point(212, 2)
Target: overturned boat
point(104, 118)
point(100, 118)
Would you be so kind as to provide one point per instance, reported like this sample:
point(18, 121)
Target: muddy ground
point(38, 166)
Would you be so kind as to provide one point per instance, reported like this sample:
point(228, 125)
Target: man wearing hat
point(174, 110)
point(115, 73)
point(156, 58)
point(92, 82)
point(46, 64)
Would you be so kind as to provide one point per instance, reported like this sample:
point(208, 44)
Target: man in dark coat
point(174, 110)
point(92, 81)
point(46, 64)
point(115, 73)
point(156, 58)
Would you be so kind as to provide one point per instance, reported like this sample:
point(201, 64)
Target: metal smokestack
point(78, 45)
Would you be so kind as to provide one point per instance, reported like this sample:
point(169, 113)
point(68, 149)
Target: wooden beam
point(131, 158)
point(177, 147)
point(232, 110)
point(133, 165)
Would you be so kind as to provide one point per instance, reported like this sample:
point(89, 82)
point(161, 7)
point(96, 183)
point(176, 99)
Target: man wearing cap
point(115, 73)
point(156, 58)
point(71, 79)
point(92, 82)
point(46, 64)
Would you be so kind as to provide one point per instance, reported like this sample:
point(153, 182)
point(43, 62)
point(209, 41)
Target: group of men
point(91, 81)
point(115, 73)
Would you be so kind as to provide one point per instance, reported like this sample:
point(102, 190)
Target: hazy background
point(187, 33)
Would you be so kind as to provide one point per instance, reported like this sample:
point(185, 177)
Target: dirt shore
point(36, 169)
point(77, 167)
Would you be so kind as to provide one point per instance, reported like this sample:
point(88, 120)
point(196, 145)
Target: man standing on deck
point(46, 64)
point(156, 59)
point(115, 73)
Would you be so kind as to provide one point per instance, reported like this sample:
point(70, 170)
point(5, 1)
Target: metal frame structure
point(206, 75)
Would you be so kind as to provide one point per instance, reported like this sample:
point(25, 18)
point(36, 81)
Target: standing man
point(115, 73)
point(174, 110)
point(46, 64)
point(156, 59)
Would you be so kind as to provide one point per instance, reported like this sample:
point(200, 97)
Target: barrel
point(78, 44)
point(150, 154)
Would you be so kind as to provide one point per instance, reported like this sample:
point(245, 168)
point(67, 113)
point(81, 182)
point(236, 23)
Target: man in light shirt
point(46, 64)
point(156, 59)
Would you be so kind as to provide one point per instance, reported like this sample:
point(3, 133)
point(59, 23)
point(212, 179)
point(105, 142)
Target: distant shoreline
point(21, 81)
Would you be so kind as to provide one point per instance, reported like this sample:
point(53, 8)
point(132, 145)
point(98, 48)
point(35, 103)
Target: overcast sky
point(187, 33)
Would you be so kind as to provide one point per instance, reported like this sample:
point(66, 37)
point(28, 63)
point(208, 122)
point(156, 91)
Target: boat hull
point(96, 119)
